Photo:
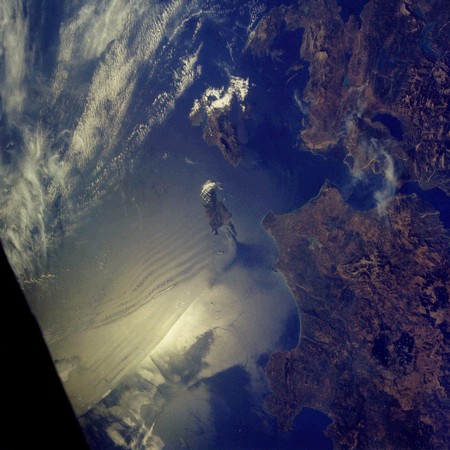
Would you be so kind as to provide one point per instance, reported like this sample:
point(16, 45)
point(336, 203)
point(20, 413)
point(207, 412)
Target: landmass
point(219, 110)
point(216, 211)
point(372, 291)
point(220, 131)
point(379, 83)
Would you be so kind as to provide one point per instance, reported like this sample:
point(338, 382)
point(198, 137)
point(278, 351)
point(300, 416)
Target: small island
point(218, 110)
point(216, 211)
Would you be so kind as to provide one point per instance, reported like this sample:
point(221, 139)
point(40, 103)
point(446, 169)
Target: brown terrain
point(396, 62)
point(372, 286)
point(372, 291)
point(217, 213)
point(218, 130)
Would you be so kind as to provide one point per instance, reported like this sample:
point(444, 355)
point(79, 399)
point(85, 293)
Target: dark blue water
point(426, 41)
point(240, 424)
point(351, 8)
point(416, 11)
point(392, 123)
point(436, 197)
point(361, 194)
point(274, 125)
point(271, 147)
point(44, 19)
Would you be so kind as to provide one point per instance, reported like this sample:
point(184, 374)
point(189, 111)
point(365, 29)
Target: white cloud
point(65, 367)
point(150, 441)
point(24, 207)
point(182, 78)
point(113, 432)
point(217, 99)
point(13, 39)
point(207, 189)
point(373, 158)
point(76, 163)
point(389, 183)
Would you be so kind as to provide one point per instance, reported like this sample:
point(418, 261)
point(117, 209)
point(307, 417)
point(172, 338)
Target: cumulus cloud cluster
point(221, 99)
point(25, 163)
point(63, 152)
point(59, 162)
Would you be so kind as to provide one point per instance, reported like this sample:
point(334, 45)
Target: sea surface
point(250, 309)
point(160, 329)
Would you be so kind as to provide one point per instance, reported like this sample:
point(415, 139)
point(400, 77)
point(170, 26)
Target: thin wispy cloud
point(13, 40)
point(53, 177)
point(372, 157)
point(389, 186)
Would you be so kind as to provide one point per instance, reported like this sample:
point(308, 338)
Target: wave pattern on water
point(100, 211)
point(68, 138)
